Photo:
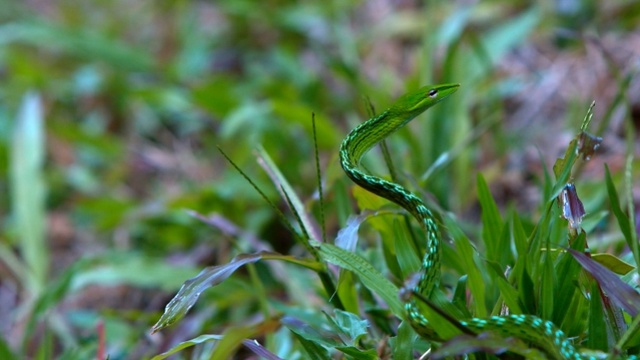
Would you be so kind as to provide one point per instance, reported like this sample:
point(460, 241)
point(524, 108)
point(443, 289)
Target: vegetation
point(143, 144)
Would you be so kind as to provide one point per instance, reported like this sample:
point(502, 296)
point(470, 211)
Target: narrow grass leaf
point(566, 285)
point(613, 263)
point(406, 253)
point(260, 350)
point(5, 350)
point(234, 337)
point(318, 177)
point(621, 217)
point(81, 42)
point(492, 223)
point(314, 350)
point(283, 185)
point(562, 169)
point(370, 277)
point(187, 344)
point(617, 290)
point(632, 336)
point(353, 352)
point(546, 287)
point(212, 276)
point(401, 344)
point(598, 335)
point(28, 189)
point(509, 294)
point(487, 343)
point(466, 253)
point(527, 292)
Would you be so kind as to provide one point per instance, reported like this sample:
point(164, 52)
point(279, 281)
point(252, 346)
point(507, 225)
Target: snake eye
point(433, 93)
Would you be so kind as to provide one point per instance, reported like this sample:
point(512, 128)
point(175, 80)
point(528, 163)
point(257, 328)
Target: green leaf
point(623, 219)
point(613, 263)
point(81, 42)
point(212, 276)
point(187, 344)
point(401, 345)
point(132, 269)
point(350, 324)
point(353, 352)
point(28, 190)
point(467, 255)
point(488, 343)
point(314, 350)
point(287, 191)
point(598, 336)
point(618, 291)
point(370, 277)
point(492, 223)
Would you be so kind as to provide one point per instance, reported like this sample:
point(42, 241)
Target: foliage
point(111, 118)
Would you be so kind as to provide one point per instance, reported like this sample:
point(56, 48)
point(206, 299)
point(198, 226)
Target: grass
point(112, 115)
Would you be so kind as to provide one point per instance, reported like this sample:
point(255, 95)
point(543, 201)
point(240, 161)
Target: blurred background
point(111, 113)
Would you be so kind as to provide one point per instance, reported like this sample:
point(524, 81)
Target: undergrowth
point(543, 268)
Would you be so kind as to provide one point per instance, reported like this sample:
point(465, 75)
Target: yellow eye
point(433, 93)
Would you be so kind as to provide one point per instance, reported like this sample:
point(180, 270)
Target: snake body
point(541, 334)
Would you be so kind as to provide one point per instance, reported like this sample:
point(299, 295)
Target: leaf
point(618, 291)
point(613, 263)
point(314, 351)
point(350, 324)
point(28, 190)
point(252, 345)
point(355, 353)
point(187, 344)
point(212, 276)
point(347, 237)
point(82, 42)
point(234, 337)
point(132, 269)
point(370, 277)
point(623, 219)
point(402, 344)
point(486, 342)
point(467, 255)
point(297, 207)
point(598, 337)
point(492, 223)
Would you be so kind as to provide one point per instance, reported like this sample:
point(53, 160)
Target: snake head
point(420, 100)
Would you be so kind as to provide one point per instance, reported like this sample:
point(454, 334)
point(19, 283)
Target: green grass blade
point(467, 255)
point(598, 335)
point(621, 217)
point(283, 185)
point(314, 350)
point(492, 223)
point(370, 277)
point(212, 276)
point(28, 190)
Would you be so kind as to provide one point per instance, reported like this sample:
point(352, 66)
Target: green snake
point(540, 333)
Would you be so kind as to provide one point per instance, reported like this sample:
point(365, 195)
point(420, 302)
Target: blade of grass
point(28, 190)
point(212, 276)
point(621, 217)
point(370, 277)
point(467, 254)
point(283, 185)
point(319, 177)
